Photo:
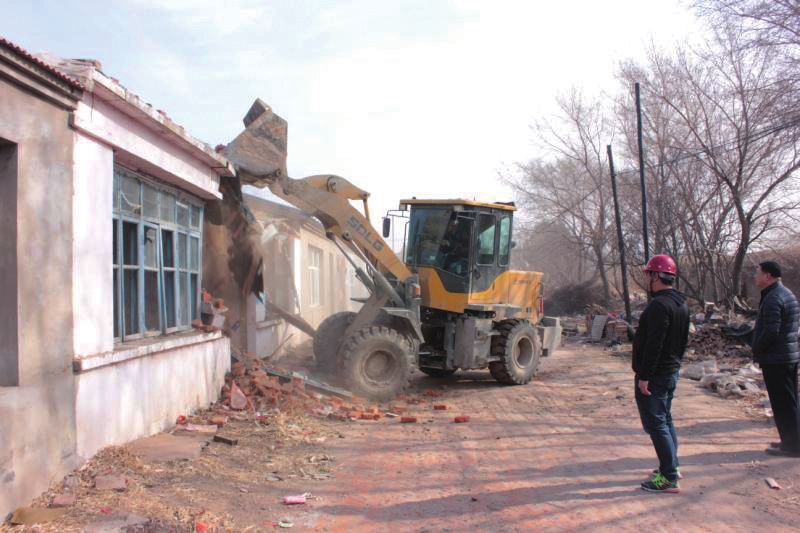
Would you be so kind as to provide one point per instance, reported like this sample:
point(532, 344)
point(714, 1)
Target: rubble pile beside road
point(711, 340)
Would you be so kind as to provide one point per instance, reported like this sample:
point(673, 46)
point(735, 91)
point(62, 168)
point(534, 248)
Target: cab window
point(486, 239)
point(505, 240)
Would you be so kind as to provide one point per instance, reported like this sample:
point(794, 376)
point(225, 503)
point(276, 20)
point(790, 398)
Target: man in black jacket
point(658, 349)
point(775, 350)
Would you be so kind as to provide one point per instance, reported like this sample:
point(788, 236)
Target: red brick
point(461, 419)
point(408, 419)
point(440, 407)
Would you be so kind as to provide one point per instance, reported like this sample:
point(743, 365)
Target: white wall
point(92, 282)
point(139, 397)
point(146, 148)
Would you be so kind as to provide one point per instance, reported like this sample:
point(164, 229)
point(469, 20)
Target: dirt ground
point(563, 453)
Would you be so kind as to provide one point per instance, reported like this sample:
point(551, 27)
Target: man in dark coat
point(658, 349)
point(775, 350)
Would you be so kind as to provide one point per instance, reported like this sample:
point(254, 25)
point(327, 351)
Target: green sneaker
point(659, 483)
point(656, 471)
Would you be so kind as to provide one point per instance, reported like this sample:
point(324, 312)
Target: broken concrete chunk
point(29, 516)
point(63, 500)
point(117, 483)
point(238, 399)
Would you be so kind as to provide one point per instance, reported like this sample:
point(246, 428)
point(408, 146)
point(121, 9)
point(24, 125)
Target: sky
point(425, 98)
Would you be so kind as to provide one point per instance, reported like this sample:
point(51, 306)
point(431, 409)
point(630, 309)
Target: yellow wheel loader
point(451, 302)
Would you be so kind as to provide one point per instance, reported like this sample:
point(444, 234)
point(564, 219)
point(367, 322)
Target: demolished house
point(105, 336)
point(96, 343)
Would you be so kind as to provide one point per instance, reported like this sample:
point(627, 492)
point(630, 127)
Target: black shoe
point(775, 444)
point(782, 453)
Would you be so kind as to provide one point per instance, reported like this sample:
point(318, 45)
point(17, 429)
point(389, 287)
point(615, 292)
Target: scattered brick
point(461, 419)
point(408, 419)
point(219, 421)
point(440, 407)
point(226, 440)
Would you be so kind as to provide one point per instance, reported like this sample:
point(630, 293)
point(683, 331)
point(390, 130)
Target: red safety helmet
point(661, 263)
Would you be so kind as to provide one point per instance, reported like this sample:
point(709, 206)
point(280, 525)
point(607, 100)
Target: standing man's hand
point(643, 387)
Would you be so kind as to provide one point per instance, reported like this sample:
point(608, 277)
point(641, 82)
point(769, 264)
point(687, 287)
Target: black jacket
point(775, 334)
point(662, 335)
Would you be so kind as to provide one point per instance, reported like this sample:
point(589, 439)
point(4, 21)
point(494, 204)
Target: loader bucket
point(259, 152)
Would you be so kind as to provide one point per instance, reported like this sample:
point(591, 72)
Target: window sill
point(140, 348)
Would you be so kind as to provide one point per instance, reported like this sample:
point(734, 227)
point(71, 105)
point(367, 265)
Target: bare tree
point(571, 188)
point(730, 120)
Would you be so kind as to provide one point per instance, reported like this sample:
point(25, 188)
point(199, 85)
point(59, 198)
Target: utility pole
point(642, 181)
point(620, 239)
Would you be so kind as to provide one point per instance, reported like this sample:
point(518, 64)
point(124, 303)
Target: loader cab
point(460, 247)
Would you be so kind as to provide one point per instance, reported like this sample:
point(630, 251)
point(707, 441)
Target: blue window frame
point(156, 257)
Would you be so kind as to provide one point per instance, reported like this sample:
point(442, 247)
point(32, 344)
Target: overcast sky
point(426, 98)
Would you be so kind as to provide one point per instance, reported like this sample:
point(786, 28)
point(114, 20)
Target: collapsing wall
point(236, 242)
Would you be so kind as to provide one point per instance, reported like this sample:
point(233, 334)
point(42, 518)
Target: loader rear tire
point(377, 363)
point(519, 349)
point(328, 339)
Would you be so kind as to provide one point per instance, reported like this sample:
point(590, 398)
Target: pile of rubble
point(727, 381)
point(255, 386)
point(715, 340)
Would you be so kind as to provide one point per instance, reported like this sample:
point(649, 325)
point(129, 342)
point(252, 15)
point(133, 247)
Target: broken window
point(314, 275)
point(156, 257)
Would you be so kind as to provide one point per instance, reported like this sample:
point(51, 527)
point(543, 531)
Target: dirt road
point(565, 453)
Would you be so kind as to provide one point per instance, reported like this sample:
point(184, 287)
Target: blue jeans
point(655, 412)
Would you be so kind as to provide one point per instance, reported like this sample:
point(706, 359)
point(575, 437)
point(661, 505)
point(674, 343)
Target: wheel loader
point(449, 302)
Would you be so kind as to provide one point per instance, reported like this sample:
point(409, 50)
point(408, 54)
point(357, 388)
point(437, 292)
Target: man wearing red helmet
point(658, 349)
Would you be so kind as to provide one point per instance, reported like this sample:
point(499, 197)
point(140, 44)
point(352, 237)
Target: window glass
point(116, 304)
point(130, 192)
point(194, 253)
point(183, 214)
point(505, 240)
point(130, 295)
point(168, 249)
point(151, 307)
point(182, 250)
point(195, 216)
point(183, 299)
point(314, 271)
point(116, 190)
point(194, 303)
point(114, 252)
point(157, 284)
point(486, 237)
point(150, 247)
point(130, 243)
point(169, 298)
point(150, 201)
point(167, 207)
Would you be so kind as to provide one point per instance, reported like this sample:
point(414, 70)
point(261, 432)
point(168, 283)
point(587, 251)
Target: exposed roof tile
point(42, 64)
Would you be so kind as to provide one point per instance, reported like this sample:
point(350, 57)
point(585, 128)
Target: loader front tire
point(327, 340)
point(377, 363)
point(519, 348)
